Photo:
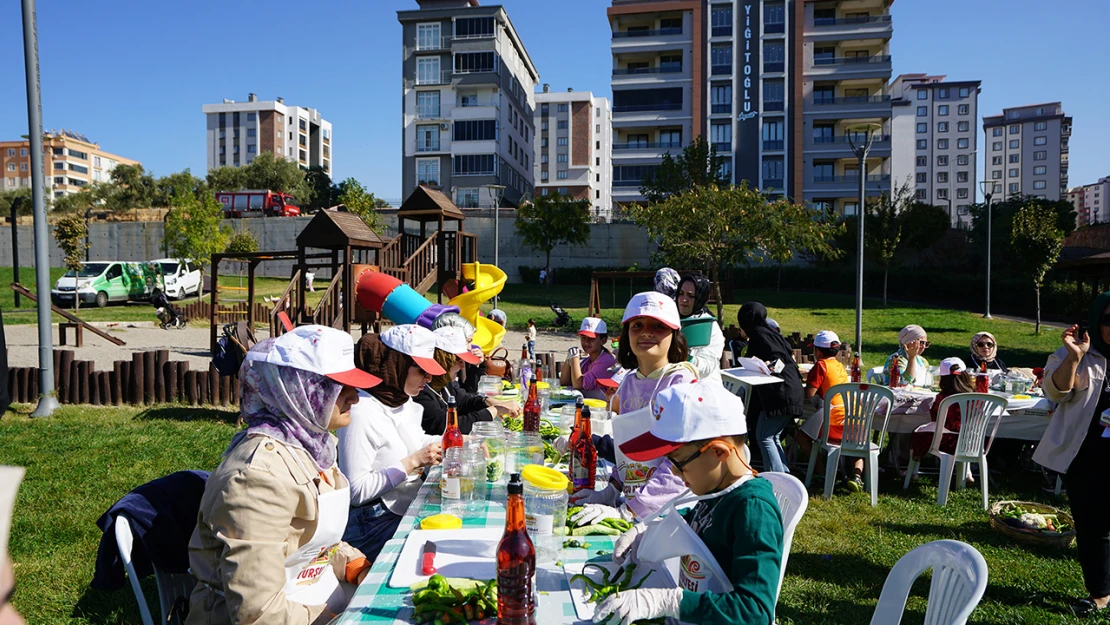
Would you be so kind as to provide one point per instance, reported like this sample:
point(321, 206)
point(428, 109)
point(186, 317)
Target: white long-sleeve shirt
point(371, 449)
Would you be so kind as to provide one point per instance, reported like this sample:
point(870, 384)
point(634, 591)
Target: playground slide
point(488, 282)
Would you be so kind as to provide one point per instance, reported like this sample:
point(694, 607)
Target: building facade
point(468, 103)
point(72, 162)
point(846, 69)
point(1090, 202)
point(237, 132)
point(935, 136)
point(574, 148)
point(1026, 151)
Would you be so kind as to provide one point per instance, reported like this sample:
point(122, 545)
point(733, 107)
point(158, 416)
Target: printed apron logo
point(690, 574)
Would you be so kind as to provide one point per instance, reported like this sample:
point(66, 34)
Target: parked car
point(182, 278)
point(101, 282)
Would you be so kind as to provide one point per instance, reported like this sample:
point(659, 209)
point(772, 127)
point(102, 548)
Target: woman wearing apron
point(385, 448)
point(267, 547)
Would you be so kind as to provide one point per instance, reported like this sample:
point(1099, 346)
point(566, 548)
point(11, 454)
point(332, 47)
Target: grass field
point(82, 460)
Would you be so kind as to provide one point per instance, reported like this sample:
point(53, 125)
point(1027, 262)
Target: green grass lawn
point(83, 459)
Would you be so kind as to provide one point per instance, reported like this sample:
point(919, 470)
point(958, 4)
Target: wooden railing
point(422, 266)
point(284, 304)
point(468, 247)
point(330, 308)
point(392, 255)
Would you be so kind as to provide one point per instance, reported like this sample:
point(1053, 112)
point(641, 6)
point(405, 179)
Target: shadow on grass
point(190, 413)
point(99, 607)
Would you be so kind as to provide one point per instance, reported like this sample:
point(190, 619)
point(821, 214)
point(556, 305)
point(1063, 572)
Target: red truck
point(257, 204)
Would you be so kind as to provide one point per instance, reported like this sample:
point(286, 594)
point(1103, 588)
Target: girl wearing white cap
point(267, 547)
point(651, 345)
point(914, 369)
point(385, 446)
point(954, 378)
point(591, 362)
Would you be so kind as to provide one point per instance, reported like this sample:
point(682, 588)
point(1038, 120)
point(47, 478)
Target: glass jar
point(490, 435)
point(451, 482)
point(545, 510)
point(473, 484)
point(521, 450)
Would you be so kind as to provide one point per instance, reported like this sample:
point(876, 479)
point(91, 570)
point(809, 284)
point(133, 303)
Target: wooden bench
point(79, 337)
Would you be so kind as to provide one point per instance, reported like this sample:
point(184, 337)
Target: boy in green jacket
point(701, 429)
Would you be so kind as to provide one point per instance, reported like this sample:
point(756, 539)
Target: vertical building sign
point(746, 143)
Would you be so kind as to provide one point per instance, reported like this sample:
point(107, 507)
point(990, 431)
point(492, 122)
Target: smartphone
point(1080, 331)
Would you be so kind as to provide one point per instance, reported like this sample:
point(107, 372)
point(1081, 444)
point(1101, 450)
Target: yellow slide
point(488, 282)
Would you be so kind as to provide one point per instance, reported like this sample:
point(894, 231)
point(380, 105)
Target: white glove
point(574, 352)
point(562, 444)
point(640, 605)
point(595, 513)
point(607, 496)
point(624, 549)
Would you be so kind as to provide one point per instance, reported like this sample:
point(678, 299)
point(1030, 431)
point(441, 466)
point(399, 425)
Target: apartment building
point(1090, 202)
point(72, 162)
point(935, 137)
point(844, 84)
point(574, 148)
point(237, 132)
point(1026, 151)
point(468, 103)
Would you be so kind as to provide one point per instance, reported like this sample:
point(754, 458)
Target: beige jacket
point(259, 507)
point(1074, 410)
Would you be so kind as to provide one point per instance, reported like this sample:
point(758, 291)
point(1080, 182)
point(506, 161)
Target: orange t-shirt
point(824, 375)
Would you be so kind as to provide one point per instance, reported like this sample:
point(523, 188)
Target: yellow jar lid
point(542, 385)
point(544, 477)
point(441, 522)
point(595, 403)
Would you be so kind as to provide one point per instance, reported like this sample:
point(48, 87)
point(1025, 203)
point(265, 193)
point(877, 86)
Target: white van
point(182, 277)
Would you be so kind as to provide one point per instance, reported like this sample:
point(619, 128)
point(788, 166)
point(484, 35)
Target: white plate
point(467, 553)
point(578, 593)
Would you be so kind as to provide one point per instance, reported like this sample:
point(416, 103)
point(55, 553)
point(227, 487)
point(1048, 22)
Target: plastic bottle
point(583, 456)
point(532, 408)
point(452, 437)
point(526, 367)
point(516, 563)
point(895, 374)
point(857, 370)
point(451, 482)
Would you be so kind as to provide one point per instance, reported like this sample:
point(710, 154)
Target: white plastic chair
point(875, 375)
point(959, 581)
point(861, 403)
point(976, 410)
point(793, 500)
point(173, 588)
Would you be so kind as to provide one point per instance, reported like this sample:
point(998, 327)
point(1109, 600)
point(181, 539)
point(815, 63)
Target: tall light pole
point(987, 186)
point(47, 402)
point(865, 136)
point(496, 192)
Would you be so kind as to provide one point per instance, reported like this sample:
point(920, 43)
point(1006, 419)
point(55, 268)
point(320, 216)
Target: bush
point(572, 276)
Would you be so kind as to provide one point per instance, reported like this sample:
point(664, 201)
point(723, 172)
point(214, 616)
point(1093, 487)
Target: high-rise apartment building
point(935, 134)
point(574, 148)
point(1091, 202)
point(1026, 151)
point(468, 103)
point(237, 132)
point(72, 162)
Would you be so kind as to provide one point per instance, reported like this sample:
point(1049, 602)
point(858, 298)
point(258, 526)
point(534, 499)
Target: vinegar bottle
point(532, 409)
point(516, 563)
point(856, 369)
point(982, 381)
point(583, 455)
point(895, 374)
point(452, 437)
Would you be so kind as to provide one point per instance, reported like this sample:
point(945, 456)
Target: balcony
point(852, 60)
point(722, 31)
point(634, 71)
point(645, 145)
point(428, 147)
point(819, 22)
point(841, 146)
point(633, 34)
point(628, 183)
point(722, 147)
point(773, 145)
point(774, 105)
point(867, 27)
point(437, 45)
point(434, 78)
point(774, 28)
point(720, 109)
point(772, 183)
point(774, 67)
point(854, 179)
point(643, 108)
point(851, 107)
point(854, 67)
point(720, 70)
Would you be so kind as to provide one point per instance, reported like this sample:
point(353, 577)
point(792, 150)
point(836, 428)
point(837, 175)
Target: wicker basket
point(1033, 537)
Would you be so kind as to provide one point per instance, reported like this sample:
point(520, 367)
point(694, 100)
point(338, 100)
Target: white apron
point(633, 474)
point(672, 541)
point(309, 576)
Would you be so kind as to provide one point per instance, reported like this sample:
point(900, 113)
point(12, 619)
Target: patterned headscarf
point(666, 282)
point(909, 334)
point(290, 405)
point(992, 353)
point(445, 360)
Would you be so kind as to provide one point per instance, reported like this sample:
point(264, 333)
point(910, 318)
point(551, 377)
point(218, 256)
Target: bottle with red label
point(982, 381)
point(532, 409)
point(856, 369)
point(574, 431)
point(583, 455)
point(895, 374)
point(452, 437)
point(516, 563)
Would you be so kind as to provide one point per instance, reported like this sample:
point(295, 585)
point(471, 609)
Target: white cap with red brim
point(452, 340)
point(417, 342)
point(654, 305)
point(685, 413)
point(319, 349)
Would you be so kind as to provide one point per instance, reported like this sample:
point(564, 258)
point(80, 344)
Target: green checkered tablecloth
point(376, 602)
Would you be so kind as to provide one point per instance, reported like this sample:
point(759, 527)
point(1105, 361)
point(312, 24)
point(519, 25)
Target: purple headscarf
point(290, 405)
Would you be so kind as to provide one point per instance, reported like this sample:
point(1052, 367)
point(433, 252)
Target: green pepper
point(423, 595)
point(438, 583)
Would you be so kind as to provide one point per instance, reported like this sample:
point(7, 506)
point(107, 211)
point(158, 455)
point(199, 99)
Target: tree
point(83, 200)
point(324, 193)
point(133, 188)
point(923, 224)
point(883, 228)
point(1036, 242)
point(173, 185)
point(697, 166)
point(195, 230)
point(274, 173)
point(70, 232)
point(1004, 210)
point(226, 179)
point(7, 198)
point(242, 242)
point(356, 199)
point(552, 220)
point(797, 230)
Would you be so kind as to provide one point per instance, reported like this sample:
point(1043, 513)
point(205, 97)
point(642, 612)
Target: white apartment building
point(1091, 202)
point(574, 148)
point(1026, 151)
point(237, 132)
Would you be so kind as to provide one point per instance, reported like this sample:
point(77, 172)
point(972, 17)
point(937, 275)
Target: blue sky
point(133, 75)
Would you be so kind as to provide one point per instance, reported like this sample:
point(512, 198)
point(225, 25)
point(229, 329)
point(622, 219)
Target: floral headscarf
point(290, 405)
point(666, 282)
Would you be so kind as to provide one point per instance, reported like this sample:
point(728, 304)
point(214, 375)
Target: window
point(965, 92)
point(720, 56)
point(1015, 130)
point(963, 126)
point(774, 95)
point(961, 193)
point(996, 174)
point(427, 37)
point(942, 194)
point(543, 125)
point(543, 142)
point(562, 124)
point(942, 161)
point(963, 109)
point(23, 151)
point(774, 16)
point(922, 161)
point(252, 148)
point(942, 177)
point(997, 146)
point(427, 71)
point(81, 155)
point(56, 166)
point(962, 144)
point(427, 171)
point(961, 176)
point(250, 132)
point(1039, 170)
point(543, 158)
point(475, 130)
point(597, 129)
point(942, 109)
point(1015, 144)
point(1039, 184)
point(1015, 158)
point(996, 160)
point(670, 63)
point(561, 141)
point(561, 174)
point(722, 22)
point(721, 137)
point(923, 144)
point(961, 159)
point(473, 27)
point(922, 111)
point(1014, 172)
point(670, 138)
point(942, 126)
point(1040, 140)
point(427, 138)
point(562, 108)
point(922, 177)
point(774, 56)
point(772, 169)
point(474, 62)
point(773, 135)
point(11, 166)
point(1014, 187)
point(922, 128)
point(1040, 155)
point(942, 144)
point(59, 180)
point(545, 109)
point(543, 175)
point(81, 169)
point(11, 151)
point(474, 164)
point(427, 104)
point(921, 194)
point(997, 132)
point(922, 94)
point(1040, 125)
point(303, 124)
point(942, 93)
point(561, 158)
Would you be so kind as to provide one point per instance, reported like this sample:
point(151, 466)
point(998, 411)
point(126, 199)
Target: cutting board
point(659, 579)
point(469, 553)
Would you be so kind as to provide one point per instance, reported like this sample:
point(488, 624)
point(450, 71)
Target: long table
point(1023, 419)
point(376, 602)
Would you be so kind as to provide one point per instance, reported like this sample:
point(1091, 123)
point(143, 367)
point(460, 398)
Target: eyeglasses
point(1104, 320)
point(990, 345)
point(678, 467)
point(925, 344)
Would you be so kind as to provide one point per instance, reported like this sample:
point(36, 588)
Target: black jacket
point(766, 344)
point(471, 406)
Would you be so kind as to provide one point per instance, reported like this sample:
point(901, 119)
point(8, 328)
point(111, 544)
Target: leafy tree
point(78, 203)
point(324, 193)
point(242, 242)
point(1036, 241)
point(552, 220)
point(195, 230)
point(180, 183)
point(923, 224)
point(70, 232)
point(356, 199)
point(7, 198)
point(277, 174)
point(380, 203)
point(226, 179)
point(1004, 210)
point(883, 228)
point(796, 230)
point(133, 188)
point(697, 166)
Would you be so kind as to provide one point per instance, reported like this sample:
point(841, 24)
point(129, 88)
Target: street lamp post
point(496, 192)
point(866, 135)
point(984, 186)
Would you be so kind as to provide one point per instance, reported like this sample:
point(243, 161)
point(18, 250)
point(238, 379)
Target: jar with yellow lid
point(545, 510)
